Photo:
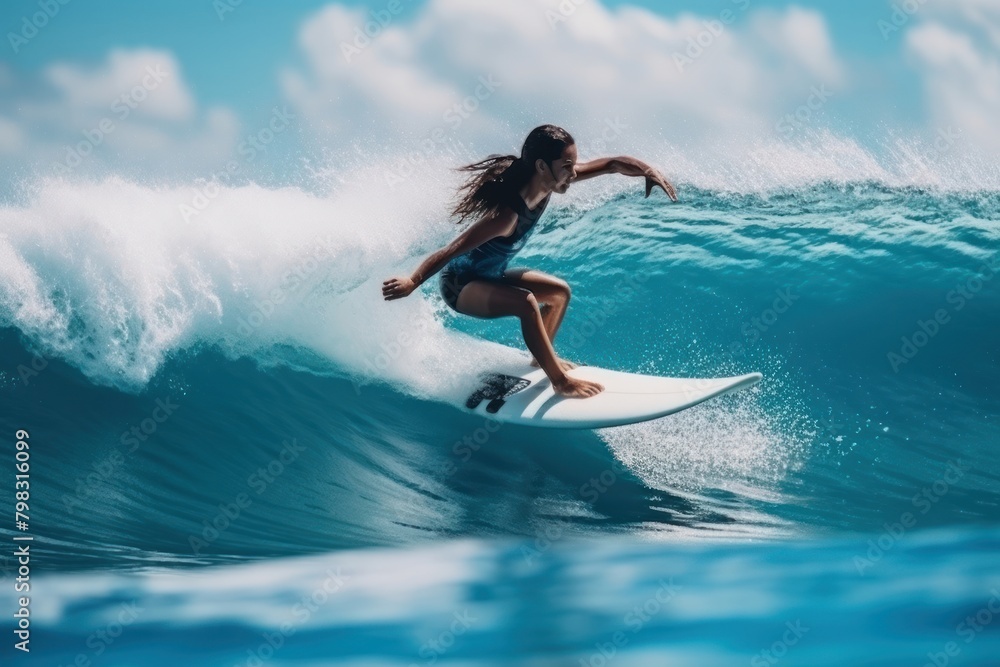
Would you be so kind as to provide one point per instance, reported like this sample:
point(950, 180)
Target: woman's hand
point(629, 166)
point(397, 288)
point(653, 177)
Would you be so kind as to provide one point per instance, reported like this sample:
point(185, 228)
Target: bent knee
point(554, 290)
point(565, 290)
point(556, 286)
point(558, 292)
point(527, 305)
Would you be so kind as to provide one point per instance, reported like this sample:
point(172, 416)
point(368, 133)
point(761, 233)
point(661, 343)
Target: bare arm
point(478, 233)
point(627, 166)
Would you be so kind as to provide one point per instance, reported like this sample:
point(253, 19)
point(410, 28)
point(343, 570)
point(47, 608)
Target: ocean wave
point(113, 277)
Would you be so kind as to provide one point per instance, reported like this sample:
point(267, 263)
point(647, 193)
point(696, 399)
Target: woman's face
point(562, 170)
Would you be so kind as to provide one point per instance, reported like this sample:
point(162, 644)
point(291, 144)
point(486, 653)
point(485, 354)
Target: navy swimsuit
point(489, 260)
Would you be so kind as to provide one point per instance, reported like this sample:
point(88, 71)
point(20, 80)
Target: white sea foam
point(111, 277)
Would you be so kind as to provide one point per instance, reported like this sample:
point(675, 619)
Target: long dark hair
point(498, 177)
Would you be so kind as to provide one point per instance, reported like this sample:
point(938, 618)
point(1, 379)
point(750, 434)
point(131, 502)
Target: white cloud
point(343, 90)
point(982, 15)
point(133, 110)
point(800, 37)
point(149, 79)
point(712, 91)
point(955, 51)
point(696, 77)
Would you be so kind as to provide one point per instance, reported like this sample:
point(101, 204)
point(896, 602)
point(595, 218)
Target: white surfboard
point(523, 395)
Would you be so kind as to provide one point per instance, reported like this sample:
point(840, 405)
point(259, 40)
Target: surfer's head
point(548, 153)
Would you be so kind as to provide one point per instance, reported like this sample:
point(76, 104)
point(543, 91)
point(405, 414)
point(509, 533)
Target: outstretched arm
point(478, 233)
point(627, 166)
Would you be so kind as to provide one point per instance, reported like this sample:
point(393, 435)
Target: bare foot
point(577, 388)
point(563, 364)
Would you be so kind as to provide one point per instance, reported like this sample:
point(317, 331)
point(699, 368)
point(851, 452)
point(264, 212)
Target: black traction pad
point(496, 388)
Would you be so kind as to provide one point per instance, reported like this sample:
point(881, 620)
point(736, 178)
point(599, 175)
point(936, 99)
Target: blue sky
point(225, 58)
point(228, 74)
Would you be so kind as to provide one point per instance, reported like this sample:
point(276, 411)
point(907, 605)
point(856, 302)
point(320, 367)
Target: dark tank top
point(490, 259)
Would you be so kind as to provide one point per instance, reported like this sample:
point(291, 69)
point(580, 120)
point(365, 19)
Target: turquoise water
point(238, 458)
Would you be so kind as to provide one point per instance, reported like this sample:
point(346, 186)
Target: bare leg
point(553, 296)
point(489, 299)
